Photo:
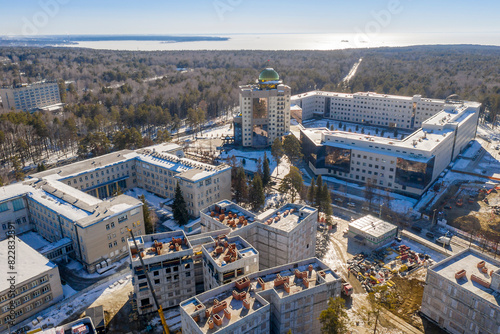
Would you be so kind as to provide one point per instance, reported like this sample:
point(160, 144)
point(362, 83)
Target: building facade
point(30, 97)
point(168, 260)
point(35, 286)
point(226, 259)
point(407, 166)
point(392, 111)
point(264, 111)
point(462, 292)
point(280, 236)
point(276, 300)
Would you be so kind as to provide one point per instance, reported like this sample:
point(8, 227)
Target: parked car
point(416, 229)
point(351, 204)
point(429, 235)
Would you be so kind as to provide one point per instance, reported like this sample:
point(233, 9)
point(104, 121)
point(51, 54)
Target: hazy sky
point(246, 16)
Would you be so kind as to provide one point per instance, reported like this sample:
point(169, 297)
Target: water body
point(299, 42)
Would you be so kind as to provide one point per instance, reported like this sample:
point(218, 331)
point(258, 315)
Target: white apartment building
point(35, 287)
point(280, 236)
point(30, 97)
point(226, 259)
point(391, 111)
point(276, 300)
point(168, 260)
point(462, 293)
point(264, 111)
point(407, 166)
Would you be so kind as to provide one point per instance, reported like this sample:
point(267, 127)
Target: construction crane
point(158, 306)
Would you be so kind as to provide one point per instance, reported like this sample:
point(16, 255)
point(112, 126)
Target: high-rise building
point(30, 97)
point(264, 111)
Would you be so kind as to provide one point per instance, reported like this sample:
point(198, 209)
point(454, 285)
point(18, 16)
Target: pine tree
point(148, 225)
point(181, 215)
point(292, 148)
point(292, 183)
point(240, 186)
point(256, 196)
point(311, 192)
point(318, 192)
point(334, 319)
point(266, 172)
point(326, 201)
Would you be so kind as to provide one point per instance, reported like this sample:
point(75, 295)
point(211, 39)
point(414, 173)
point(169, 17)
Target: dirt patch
point(405, 299)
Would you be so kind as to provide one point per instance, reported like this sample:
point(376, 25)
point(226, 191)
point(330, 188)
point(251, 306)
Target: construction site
point(472, 207)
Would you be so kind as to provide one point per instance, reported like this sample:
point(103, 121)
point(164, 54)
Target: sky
point(224, 17)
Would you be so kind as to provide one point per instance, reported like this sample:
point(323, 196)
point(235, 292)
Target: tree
point(240, 186)
point(181, 215)
point(128, 138)
point(95, 143)
point(311, 192)
point(16, 164)
point(148, 224)
point(163, 136)
point(318, 192)
point(326, 201)
point(334, 319)
point(292, 183)
point(292, 148)
point(277, 152)
point(256, 196)
point(266, 172)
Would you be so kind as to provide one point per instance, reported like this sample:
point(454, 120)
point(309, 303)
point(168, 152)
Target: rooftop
point(29, 263)
point(471, 261)
point(287, 217)
point(160, 244)
point(372, 226)
point(225, 250)
point(230, 214)
point(227, 304)
point(366, 94)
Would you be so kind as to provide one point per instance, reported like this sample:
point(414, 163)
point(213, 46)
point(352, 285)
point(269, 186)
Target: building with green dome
point(264, 111)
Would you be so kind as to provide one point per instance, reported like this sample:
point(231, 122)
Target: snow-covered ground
point(249, 160)
point(151, 198)
point(78, 301)
point(78, 269)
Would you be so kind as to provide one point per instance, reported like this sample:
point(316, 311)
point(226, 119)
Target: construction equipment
point(158, 306)
point(346, 288)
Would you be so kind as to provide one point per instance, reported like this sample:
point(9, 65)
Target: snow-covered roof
point(372, 226)
point(29, 263)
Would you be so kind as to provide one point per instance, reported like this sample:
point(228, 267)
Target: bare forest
point(128, 99)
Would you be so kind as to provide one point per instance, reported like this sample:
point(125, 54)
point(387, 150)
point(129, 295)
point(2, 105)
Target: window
point(3, 207)
point(18, 204)
point(107, 226)
point(110, 245)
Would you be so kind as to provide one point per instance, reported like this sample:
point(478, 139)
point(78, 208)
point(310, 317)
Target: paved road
point(79, 283)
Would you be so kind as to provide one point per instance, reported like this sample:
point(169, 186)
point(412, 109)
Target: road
point(79, 283)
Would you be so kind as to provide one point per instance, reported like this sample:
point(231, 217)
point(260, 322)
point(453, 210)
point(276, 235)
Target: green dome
point(269, 74)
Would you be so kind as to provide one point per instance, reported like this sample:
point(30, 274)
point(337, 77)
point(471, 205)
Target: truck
point(346, 288)
point(443, 240)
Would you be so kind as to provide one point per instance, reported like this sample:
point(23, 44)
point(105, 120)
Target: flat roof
point(29, 263)
point(232, 213)
point(468, 260)
point(287, 217)
point(365, 94)
point(160, 244)
point(373, 226)
point(225, 250)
